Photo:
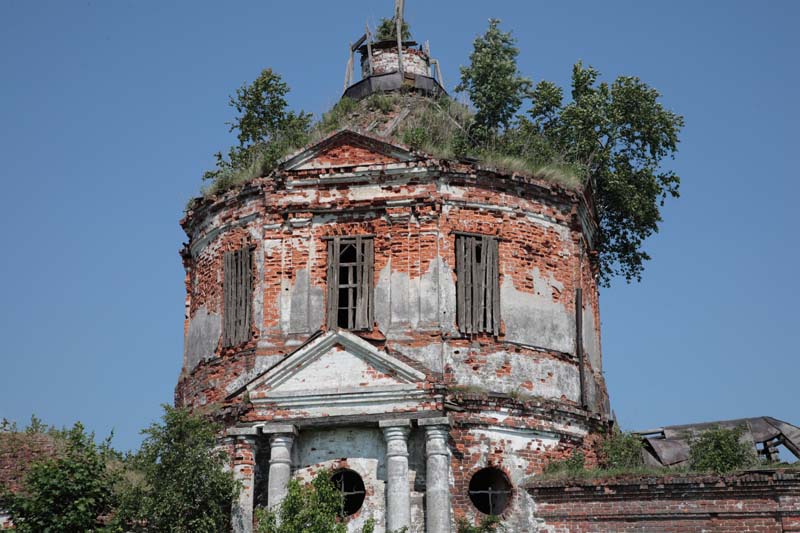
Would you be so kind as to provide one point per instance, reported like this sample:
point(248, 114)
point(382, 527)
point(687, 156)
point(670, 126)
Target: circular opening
point(490, 491)
point(352, 488)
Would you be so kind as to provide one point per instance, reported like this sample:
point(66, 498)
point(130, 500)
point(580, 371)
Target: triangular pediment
point(347, 148)
point(336, 363)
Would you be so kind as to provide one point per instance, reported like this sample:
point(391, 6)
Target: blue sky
point(110, 112)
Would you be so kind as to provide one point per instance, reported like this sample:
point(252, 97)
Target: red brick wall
point(411, 237)
point(750, 502)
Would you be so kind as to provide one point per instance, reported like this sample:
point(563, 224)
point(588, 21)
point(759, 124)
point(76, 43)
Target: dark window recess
point(238, 288)
point(352, 488)
point(490, 491)
point(350, 283)
point(477, 284)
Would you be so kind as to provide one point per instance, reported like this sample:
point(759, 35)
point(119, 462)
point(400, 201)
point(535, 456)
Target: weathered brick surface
point(513, 400)
point(751, 502)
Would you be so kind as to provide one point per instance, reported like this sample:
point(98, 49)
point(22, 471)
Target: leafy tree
point(387, 30)
point(492, 79)
point(266, 129)
point(70, 492)
point(177, 482)
point(621, 450)
point(620, 134)
point(720, 450)
point(308, 508)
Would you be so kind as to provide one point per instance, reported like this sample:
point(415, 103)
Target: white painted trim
point(354, 344)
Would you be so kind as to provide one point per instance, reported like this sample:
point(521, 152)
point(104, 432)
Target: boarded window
point(238, 291)
point(350, 275)
point(477, 284)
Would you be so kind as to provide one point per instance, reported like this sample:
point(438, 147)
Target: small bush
point(415, 138)
point(621, 451)
point(387, 30)
point(308, 508)
point(489, 524)
point(337, 116)
point(721, 450)
point(573, 465)
point(381, 102)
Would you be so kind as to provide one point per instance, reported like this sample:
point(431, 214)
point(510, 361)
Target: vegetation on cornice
point(437, 127)
point(612, 136)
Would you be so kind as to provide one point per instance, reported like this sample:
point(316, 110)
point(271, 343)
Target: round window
point(352, 487)
point(490, 491)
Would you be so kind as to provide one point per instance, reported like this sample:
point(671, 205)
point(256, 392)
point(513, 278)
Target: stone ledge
point(668, 486)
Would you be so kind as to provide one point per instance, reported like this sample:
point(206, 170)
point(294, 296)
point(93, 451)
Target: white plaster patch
point(429, 355)
point(510, 372)
point(202, 337)
point(364, 192)
point(535, 319)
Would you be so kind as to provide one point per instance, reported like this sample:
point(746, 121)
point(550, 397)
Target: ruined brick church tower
point(425, 329)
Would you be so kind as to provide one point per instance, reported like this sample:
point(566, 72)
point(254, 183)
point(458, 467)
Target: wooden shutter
point(237, 288)
point(333, 284)
point(477, 284)
point(493, 286)
point(364, 276)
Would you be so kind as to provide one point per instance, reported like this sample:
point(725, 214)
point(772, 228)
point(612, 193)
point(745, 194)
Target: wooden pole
point(427, 49)
point(348, 71)
point(398, 18)
point(369, 48)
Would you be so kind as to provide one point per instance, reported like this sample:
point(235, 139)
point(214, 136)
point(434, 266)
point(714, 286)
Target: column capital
point(437, 421)
point(395, 422)
point(279, 429)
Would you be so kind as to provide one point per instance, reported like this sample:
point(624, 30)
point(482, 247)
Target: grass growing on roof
point(439, 127)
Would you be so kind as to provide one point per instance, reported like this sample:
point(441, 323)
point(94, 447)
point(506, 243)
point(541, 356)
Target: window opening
point(490, 491)
point(350, 283)
point(477, 284)
point(351, 486)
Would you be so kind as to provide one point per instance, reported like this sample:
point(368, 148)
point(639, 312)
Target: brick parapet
point(755, 501)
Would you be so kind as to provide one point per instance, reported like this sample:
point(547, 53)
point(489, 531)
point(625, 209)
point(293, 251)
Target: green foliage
point(308, 508)
point(177, 481)
point(416, 137)
point(621, 450)
point(615, 136)
point(620, 134)
point(572, 465)
point(492, 80)
point(721, 450)
point(489, 524)
point(381, 102)
point(69, 493)
point(266, 132)
point(335, 118)
point(387, 30)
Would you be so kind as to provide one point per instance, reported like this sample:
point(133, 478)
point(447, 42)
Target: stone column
point(437, 475)
point(244, 461)
point(281, 439)
point(398, 491)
